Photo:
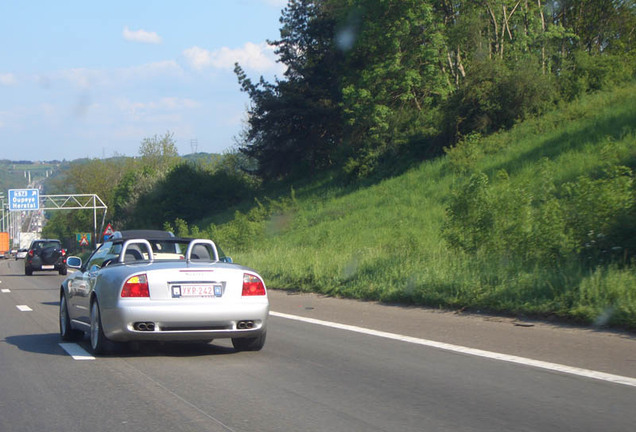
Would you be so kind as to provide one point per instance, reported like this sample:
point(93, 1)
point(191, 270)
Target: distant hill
point(17, 174)
point(206, 158)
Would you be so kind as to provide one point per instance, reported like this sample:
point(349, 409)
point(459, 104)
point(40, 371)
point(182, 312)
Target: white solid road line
point(24, 308)
point(76, 351)
point(617, 379)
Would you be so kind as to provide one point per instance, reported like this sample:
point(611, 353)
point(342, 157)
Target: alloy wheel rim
point(63, 315)
point(94, 325)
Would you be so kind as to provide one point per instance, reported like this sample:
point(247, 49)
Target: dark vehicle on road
point(45, 255)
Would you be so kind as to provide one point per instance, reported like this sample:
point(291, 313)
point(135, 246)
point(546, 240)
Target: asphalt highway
point(328, 365)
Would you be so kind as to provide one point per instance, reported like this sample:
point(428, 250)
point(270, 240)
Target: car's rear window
point(42, 245)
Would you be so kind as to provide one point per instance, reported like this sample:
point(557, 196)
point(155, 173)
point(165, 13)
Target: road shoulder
point(599, 350)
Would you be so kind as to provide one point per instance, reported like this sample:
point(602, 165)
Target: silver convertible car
point(152, 286)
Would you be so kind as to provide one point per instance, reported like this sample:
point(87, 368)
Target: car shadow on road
point(48, 344)
point(172, 349)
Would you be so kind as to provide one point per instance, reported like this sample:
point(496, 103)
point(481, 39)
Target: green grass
point(385, 242)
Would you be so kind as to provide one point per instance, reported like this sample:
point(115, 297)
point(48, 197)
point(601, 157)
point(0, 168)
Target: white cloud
point(198, 58)
point(142, 36)
point(49, 114)
point(256, 57)
point(145, 110)
point(84, 78)
point(150, 70)
point(79, 77)
point(8, 79)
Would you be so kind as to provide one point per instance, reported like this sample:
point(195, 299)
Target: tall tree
point(393, 81)
point(159, 153)
point(598, 24)
point(294, 124)
point(368, 78)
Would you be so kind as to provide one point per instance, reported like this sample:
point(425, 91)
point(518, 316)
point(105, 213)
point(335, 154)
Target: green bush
point(546, 225)
point(585, 73)
point(496, 96)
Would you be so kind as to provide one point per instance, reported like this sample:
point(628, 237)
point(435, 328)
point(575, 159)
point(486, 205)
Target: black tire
point(250, 344)
point(28, 271)
point(67, 333)
point(63, 271)
point(100, 344)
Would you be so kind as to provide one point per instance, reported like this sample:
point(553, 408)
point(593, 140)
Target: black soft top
point(143, 234)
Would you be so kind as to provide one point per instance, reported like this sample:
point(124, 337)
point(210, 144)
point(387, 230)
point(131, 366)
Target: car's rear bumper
point(184, 323)
point(38, 266)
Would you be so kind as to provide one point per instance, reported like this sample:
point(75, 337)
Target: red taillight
point(31, 253)
point(63, 252)
point(136, 286)
point(252, 285)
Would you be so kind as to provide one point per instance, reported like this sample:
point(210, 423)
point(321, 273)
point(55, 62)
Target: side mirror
point(74, 262)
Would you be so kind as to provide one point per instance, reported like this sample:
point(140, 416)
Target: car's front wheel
point(100, 344)
point(66, 331)
point(249, 344)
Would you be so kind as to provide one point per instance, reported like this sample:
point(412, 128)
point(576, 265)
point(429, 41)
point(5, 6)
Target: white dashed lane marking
point(76, 351)
point(24, 308)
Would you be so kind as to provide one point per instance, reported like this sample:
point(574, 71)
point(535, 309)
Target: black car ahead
point(45, 255)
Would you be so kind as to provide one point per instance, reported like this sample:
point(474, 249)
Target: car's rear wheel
point(63, 271)
point(100, 344)
point(28, 271)
point(249, 344)
point(66, 331)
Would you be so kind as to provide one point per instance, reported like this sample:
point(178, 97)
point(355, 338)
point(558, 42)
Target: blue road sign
point(24, 199)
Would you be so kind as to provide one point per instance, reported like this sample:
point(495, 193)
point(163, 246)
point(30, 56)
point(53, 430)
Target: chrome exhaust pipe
point(144, 326)
point(245, 325)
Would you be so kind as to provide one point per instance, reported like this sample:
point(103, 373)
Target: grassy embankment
point(386, 242)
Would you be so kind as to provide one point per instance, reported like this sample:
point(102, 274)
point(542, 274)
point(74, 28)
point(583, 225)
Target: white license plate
point(48, 267)
point(192, 290)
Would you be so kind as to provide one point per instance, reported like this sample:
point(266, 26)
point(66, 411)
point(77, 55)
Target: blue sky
point(93, 79)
